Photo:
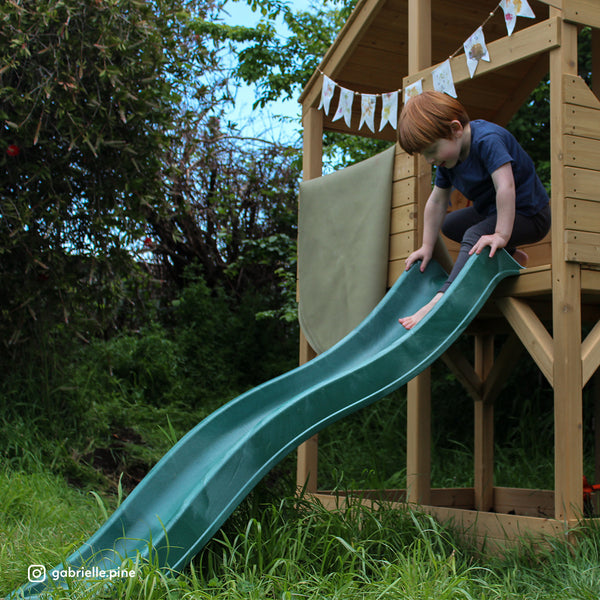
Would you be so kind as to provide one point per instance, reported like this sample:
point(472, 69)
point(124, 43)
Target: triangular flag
point(443, 80)
point(475, 50)
point(326, 93)
point(389, 111)
point(513, 9)
point(345, 106)
point(367, 111)
point(414, 89)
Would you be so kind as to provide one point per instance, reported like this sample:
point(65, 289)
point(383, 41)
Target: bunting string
point(474, 49)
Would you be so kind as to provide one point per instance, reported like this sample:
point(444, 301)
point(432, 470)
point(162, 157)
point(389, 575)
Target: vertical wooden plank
point(312, 143)
point(419, 35)
point(484, 428)
point(312, 166)
point(566, 302)
point(418, 451)
point(596, 397)
point(596, 62)
point(418, 439)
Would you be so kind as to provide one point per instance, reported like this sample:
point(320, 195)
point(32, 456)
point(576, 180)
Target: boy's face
point(446, 152)
point(443, 153)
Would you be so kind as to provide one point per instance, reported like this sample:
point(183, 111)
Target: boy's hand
point(421, 254)
point(495, 241)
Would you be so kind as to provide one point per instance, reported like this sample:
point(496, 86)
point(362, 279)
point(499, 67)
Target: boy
point(486, 164)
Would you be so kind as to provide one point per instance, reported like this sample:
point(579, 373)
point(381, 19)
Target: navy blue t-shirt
point(491, 147)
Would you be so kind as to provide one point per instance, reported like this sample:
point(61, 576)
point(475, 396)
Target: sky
point(263, 123)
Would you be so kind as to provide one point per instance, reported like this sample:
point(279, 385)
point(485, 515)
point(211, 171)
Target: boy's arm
point(433, 216)
point(504, 184)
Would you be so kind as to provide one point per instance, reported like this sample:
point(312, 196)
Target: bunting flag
point(367, 111)
point(443, 80)
point(326, 93)
point(389, 110)
point(513, 9)
point(345, 106)
point(476, 50)
point(414, 89)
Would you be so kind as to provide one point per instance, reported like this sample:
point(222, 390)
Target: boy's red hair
point(426, 118)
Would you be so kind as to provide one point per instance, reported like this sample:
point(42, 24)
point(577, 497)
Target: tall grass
point(296, 549)
point(41, 518)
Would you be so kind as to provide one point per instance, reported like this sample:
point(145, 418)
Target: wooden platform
point(515, 515)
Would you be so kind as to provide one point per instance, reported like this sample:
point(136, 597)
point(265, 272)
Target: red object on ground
point(589, 489)
point(13, 150)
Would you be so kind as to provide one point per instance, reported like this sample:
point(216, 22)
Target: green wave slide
point(192, 490)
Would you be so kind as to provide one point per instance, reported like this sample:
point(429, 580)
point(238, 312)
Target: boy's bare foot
point(521, 257)
point(412, 320)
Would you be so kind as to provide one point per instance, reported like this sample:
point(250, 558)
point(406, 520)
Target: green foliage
point(280, 67)
point(85, 99)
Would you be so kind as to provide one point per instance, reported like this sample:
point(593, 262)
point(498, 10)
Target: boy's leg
point(526, 230)
point(458, 221)
point(484, 226)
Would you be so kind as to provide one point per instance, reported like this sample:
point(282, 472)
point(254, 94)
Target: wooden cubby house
point(388, 44)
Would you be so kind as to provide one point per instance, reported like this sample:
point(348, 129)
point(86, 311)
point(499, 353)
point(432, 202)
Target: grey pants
point(466, 226)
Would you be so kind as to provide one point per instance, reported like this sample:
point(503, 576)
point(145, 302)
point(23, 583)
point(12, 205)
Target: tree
point(89, 95)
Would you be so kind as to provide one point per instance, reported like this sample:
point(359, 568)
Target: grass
point(295, 549)
point(41, 519)
point(67, 462)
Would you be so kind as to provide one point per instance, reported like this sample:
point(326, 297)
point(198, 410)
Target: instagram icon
point(36, 573)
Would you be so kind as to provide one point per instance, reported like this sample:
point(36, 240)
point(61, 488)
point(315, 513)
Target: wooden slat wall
point(403, 225)
point(582, 172)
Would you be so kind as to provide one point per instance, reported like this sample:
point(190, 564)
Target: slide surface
point(191, 491)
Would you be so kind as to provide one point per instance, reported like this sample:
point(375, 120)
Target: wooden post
point(484, 428)
point(419, 35)
point(418, 435)
point(418, 439)
point(596, 377)
point(566, 302)
point(596, 61)
point(312, 166)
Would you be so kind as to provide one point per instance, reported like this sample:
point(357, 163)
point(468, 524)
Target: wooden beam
point(307, 461)
point(584, 12)
point(484, 428)
point(531, 332)
point(312, 144)
point(596, 62)
point(418, 439)
point(590, 354)
point(339, 52)
point(312, 164)
point(533, 40)
point(419, 35)
point(596, 399)
point(507, 359)
point(553, 3)
point(566, 298)
point(418, 451)
point(455, 360)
